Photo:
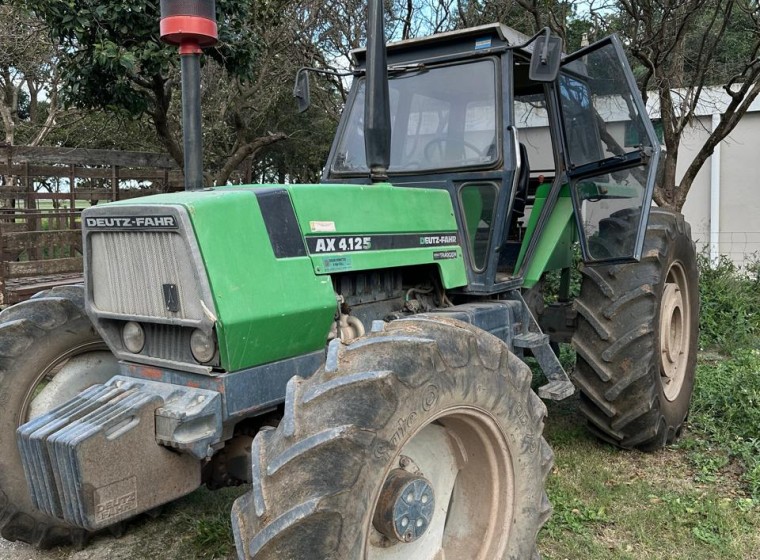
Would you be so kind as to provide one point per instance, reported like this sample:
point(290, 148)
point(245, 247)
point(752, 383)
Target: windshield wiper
point(400, 68)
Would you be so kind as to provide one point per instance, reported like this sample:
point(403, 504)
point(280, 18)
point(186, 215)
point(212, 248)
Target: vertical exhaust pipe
point(191, 25)
point(377, 109)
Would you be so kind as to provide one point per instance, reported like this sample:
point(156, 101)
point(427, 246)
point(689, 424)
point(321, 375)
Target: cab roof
point(451, 44)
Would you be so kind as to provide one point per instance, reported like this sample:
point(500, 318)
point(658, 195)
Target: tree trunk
point(665, 187)
point(8, 124)
point(245, 150)
point(162, 90)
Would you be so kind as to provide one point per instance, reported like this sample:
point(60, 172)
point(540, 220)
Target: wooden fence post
point(72, 198)
point(33, 223)
point(115, 182)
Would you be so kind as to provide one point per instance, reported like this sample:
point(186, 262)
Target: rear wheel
point(49, 352)
point(422, 441)
point(636, 340)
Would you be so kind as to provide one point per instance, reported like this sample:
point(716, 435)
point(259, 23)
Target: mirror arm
point(545, 31)
point(545, 50)
point(302, 93)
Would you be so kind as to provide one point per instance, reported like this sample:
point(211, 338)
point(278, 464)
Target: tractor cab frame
point(467, 117)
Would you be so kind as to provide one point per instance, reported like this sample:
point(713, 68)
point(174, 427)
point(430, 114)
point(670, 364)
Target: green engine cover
point(269, 251)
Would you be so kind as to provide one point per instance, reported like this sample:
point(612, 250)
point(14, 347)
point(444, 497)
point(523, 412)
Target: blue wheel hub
point(405, 508)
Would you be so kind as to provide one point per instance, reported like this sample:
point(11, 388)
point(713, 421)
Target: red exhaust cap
point(191, 24)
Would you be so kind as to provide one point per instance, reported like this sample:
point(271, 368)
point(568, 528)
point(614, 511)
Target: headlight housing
point(133, 337)
point(203, 346)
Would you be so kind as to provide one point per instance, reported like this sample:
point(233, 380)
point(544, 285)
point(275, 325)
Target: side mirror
point(546, 58)
point(301, 90)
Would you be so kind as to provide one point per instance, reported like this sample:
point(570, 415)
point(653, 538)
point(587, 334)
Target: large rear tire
point(435, 404)
point(49, 352)
point(637, 336)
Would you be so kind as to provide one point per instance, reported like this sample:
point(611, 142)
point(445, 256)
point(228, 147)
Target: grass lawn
point(630, 505)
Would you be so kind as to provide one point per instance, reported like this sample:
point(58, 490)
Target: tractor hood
point(251, 265)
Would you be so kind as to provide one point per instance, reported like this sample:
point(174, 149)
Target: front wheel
point(637, 336)
point(422, 441)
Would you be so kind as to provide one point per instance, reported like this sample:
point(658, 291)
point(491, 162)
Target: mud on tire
point(36, 336)
point(317, 477)
point(636, 340)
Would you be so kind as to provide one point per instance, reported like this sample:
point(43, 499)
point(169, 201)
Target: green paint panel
point(555, 247)
point(379, 209)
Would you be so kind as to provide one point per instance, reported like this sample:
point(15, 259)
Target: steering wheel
point(439, 145)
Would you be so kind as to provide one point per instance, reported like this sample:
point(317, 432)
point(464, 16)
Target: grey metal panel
point(96, 459)
point(130, 269)
point(244, 393)
point(168, 342)
point(258, 388)
point(125, 272)
point(500, 318)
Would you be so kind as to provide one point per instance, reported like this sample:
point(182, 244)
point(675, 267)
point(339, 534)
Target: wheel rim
point(675, 331)
point(463, 456)
point(66, 376)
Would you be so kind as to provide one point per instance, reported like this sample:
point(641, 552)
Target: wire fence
point(742, 247)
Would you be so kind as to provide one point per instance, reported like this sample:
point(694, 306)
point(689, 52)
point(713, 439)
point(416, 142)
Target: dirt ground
point(144, 539)
point(21, 551)
point(103, 548)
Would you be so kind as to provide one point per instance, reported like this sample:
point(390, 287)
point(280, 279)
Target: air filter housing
point(189, 22)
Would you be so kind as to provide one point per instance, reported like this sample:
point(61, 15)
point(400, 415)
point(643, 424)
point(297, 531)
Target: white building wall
point(697, 207)
point(739, 235)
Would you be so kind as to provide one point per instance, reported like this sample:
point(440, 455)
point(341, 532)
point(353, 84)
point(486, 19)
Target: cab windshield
point(441, 118)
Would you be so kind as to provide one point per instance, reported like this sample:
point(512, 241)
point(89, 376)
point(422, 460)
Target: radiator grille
point(130, 268)
point(168, 342)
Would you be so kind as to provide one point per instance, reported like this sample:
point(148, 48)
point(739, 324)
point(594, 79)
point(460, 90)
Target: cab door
point(611, 151)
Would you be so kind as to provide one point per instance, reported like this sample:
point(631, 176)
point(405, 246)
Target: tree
point(681, 45)
point(112, 59)
point(28, 78)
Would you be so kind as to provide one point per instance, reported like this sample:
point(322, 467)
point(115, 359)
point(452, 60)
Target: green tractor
point(353, 350)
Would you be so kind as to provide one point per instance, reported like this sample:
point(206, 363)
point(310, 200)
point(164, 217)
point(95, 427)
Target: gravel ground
point(152, 540)
point(20, 551)
point(11, 550)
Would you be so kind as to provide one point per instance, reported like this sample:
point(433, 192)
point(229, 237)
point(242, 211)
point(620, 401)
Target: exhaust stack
point(377, 110)
point(191, 25)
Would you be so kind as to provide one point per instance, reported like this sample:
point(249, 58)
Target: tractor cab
point(528, 163)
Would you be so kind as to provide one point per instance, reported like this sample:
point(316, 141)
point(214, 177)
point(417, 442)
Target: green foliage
point(552, 279)
point(703, 518)
point(726, 415)
point(206, 521)
point(730, 305)
point(113, 57)
point(628, 505)
point(574, 515)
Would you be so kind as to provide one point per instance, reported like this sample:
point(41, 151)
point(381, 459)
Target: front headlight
point(202, 346)
point(133, 337)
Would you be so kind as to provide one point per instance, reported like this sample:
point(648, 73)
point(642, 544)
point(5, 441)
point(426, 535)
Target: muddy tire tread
point(616, 340)
point(328, 461)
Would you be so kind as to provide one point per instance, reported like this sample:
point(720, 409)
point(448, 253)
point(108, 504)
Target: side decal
point(318, 244)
